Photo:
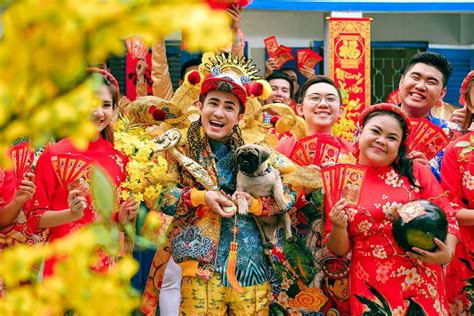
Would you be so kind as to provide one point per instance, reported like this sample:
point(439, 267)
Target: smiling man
point(422, 85)
point(282, 88)
point(218, 277)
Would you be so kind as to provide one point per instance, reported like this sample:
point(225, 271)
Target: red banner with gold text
point(349, 61)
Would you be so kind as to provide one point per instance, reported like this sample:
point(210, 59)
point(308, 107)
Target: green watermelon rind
point(420, 239)
point(434, 223)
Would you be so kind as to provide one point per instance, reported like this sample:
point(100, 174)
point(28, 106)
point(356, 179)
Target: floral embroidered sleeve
point(178, 200)
point(266, 206)
point(170, 198)
point(451, 177)
point(431, 190)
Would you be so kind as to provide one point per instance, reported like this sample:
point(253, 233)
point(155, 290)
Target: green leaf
point(142, 243)
point(414, 309)
point(300, 259)
point(107, 239)
point(466, 150)
point(103, 192)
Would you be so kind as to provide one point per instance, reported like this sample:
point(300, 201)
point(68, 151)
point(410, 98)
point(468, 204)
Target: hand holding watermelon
point(420, 227)
point(442, 255)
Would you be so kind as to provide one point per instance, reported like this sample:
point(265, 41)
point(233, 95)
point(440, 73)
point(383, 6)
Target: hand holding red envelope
point(307, 58)
point(316, 149)
point(280, 53)
point(343, 181)
point(72, 171)
point(224, 4)
point(22, 158)
point(136, 47)
point(426, 138)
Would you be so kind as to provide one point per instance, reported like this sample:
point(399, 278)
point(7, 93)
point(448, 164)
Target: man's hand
point(235, 13)
point(215, 201)
point(245, 195)
point(140, 70)
point(308, 72)
point(270, 66)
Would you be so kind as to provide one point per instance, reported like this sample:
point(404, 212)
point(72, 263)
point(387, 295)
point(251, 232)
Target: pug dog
point(259, 179)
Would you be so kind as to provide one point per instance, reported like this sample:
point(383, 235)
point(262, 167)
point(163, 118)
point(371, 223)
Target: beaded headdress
point(233, 74)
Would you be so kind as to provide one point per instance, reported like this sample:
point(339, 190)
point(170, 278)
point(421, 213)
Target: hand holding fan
point(69, 168)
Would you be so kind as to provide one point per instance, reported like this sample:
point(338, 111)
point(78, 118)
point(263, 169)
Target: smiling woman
point(378, 265)
point(64, 202)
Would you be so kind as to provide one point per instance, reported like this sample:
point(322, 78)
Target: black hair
point(438, 61)
point(402, 163)
point(280, 75)
point(318, 79)
point(296, 73)
point(186, 65)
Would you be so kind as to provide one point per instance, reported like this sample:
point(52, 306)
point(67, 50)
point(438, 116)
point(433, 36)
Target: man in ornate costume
point(221, 254)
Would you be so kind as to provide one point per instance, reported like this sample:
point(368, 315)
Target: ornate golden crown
point(239, 69)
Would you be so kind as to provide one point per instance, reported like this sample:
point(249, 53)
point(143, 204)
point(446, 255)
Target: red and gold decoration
point(349, 62)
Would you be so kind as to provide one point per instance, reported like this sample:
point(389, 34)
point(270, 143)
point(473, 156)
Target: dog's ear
point(235, 155)
point(264, 154)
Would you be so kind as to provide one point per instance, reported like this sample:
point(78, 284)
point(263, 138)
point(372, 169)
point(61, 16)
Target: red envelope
point(310, 146)
point(328, 181)
point(351, 185)
point(301, 55)
point(426, 138)
point(69, 167)
point(299, 155)
point(22, 156)
point(312, 59)
point(271, 45)
point(282, 55)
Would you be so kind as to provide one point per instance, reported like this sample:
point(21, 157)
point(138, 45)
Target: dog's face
point(250, 157)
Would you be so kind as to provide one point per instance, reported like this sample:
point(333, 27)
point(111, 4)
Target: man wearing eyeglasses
point(319, 103)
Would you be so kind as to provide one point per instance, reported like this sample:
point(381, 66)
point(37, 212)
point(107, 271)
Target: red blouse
point(457, 176)
point(378, 265)
point(51, 195)
point(24, 228)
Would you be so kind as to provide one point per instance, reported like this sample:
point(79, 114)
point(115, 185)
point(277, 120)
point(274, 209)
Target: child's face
point(340, 289)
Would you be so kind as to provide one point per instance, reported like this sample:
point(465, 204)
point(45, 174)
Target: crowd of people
point(341, 258)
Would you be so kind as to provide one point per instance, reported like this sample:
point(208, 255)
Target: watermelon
point(417, 223)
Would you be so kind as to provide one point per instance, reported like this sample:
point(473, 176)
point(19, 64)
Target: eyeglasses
point(330, 99)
